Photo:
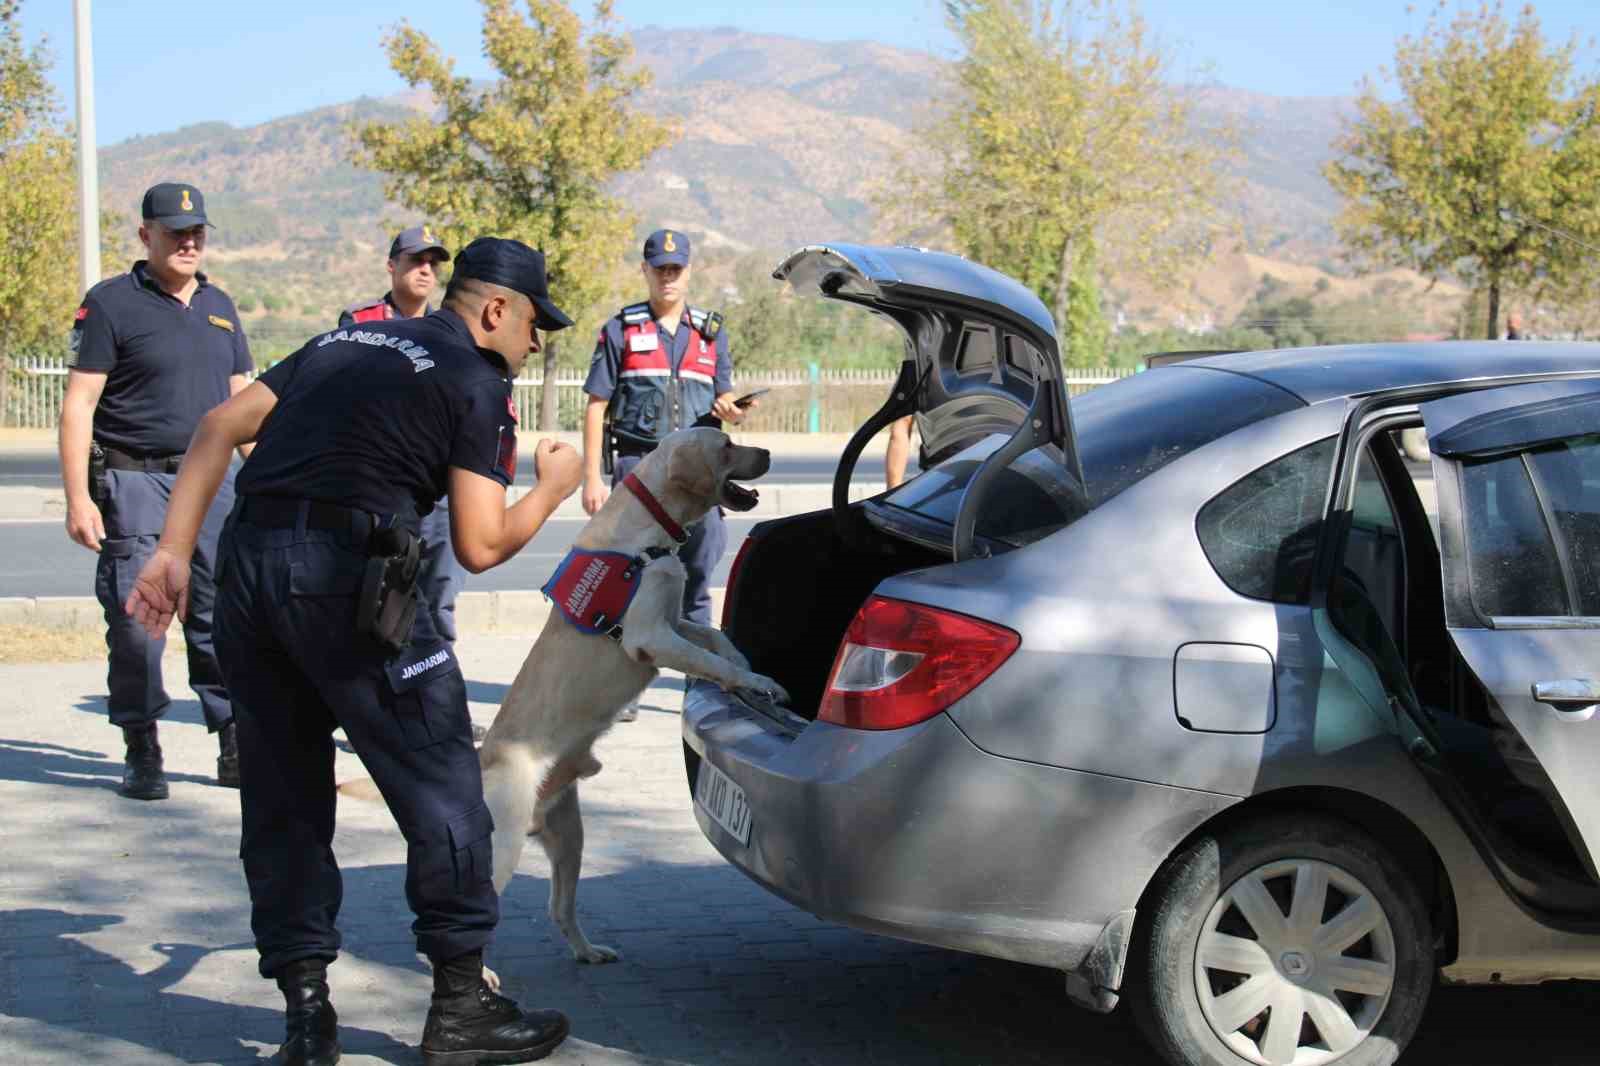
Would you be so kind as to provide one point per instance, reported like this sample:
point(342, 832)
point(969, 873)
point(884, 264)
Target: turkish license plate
point(723, 800)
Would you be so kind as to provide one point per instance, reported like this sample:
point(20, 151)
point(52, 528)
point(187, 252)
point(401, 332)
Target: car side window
point(1568, 475)
point(1511, 557)
point(1260, 533)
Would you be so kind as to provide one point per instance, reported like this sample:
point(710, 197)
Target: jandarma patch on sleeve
point(220, 322)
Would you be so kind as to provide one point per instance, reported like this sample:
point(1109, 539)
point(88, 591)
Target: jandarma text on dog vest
point(583, 591)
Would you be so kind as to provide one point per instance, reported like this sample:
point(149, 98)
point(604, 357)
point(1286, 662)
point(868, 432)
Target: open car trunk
point(797, 585)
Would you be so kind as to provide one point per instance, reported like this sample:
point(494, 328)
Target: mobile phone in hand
point(745, 400)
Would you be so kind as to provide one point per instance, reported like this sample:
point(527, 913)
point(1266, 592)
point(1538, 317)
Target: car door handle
point(1570, 696)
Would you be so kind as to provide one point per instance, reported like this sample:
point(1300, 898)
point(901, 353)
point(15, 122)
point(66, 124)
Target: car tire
point(1202, 912)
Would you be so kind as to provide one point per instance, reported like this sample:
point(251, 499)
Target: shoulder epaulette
point(636, 313)
point(707, 323)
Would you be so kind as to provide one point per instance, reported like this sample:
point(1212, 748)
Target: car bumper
point(918, 834)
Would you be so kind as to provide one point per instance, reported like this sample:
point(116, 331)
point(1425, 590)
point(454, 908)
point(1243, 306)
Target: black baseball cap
point(414, 240)
point(174, 205)
point(503, 261)
point(666, 246)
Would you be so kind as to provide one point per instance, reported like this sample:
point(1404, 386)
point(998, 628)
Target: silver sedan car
point(1195, 688)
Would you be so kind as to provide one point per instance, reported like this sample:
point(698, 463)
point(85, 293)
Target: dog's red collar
point(653, 505)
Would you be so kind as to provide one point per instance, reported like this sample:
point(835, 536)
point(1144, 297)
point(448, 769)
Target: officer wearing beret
point(660, 366)
point(359, 432)
point(415, 256)
point(152, 351)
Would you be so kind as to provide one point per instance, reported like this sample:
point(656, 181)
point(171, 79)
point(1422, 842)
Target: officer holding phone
point(660, 366)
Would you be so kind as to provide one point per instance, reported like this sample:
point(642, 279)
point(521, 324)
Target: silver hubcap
point(1295, 964)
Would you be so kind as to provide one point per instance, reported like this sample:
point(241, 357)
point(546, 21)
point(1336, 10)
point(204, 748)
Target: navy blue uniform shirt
point(679, 406)
point(166, 365)
point(374, 416)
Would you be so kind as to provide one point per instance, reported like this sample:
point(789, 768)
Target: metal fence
point(803, 400)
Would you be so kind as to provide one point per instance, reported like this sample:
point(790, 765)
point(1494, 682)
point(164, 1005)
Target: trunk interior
point(799, 584)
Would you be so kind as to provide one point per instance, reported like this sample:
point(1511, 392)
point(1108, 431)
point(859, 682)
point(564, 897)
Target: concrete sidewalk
point(124, 933)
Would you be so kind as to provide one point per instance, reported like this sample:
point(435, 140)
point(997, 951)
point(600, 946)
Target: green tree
point(1490, 142)
point(1086, 328)
point(38, 221)
point(1061, 144)
point(528, 157)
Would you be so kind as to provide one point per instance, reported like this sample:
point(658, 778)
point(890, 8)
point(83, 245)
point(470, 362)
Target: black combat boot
point(142, 776)
point(468, 1024)
point(311, 1028)
point(228, 759)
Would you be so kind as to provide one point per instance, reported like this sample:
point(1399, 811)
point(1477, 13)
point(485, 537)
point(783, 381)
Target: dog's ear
point(691, 470)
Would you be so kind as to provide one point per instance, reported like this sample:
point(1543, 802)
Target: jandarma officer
point(415, 257)
point(152, 351)
point(660, 366)
point(359, 432)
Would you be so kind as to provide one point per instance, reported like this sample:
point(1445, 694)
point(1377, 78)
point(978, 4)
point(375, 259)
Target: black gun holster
point(97, 474)
point(388, 603)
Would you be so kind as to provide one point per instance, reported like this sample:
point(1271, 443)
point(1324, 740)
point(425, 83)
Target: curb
point(777, 498)
point(505, 611)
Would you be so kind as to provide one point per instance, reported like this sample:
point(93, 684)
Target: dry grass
point(41, 644)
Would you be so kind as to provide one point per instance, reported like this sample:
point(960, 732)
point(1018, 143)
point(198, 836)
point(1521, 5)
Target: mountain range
point(783, 141)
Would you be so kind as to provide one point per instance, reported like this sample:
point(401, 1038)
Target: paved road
point(37, 559)
point(42, 470)
point(124, 932)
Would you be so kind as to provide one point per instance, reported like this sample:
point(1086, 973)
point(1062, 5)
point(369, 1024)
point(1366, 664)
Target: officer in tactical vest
point(415, 257)
point(360, 431)
point(152, 351)
point(659, 366)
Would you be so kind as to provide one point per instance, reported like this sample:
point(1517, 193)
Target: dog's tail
point(362, 788)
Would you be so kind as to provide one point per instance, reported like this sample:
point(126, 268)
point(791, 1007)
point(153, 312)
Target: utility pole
point(88, 163)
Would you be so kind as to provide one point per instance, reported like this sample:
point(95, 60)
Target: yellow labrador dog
point(573, 683)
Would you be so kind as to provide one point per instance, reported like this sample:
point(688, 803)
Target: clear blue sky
point(160, 64)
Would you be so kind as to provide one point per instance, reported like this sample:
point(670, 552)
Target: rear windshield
point(1126, 431)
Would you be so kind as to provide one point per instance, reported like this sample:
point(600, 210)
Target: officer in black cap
point(659, 366)
point(415, 256)
point(152, 351)
point(359, 432)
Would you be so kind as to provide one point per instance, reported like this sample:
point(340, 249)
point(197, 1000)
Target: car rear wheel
point(1282, 942)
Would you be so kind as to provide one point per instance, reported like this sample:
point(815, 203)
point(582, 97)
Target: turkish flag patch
point(83, 313)
point(505, 459)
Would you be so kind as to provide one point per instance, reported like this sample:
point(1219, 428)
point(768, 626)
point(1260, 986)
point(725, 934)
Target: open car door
point(1517, 471)
point(981, 358)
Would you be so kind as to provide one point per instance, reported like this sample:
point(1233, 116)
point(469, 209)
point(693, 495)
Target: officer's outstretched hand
point(160, 591)
point(558, 467)
point(85, 524)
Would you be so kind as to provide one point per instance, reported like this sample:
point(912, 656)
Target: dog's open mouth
point(736, 497)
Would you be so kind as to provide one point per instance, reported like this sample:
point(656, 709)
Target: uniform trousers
point(708, 539)
point(441, 575)
point(134, 508)
point(297, 669)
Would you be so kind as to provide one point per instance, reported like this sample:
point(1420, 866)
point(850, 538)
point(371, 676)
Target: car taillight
point(733, 579)
point(902, 663)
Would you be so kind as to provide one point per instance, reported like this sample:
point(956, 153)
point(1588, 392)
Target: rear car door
point(1518, 476)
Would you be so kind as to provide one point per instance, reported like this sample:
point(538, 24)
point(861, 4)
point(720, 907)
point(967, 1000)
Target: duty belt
point(149, 464)
point(281, 512)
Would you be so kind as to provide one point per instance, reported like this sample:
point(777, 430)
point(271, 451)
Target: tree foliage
point(529, 156)
point(38, 197)
point(1062, 148)
point(1490, 144)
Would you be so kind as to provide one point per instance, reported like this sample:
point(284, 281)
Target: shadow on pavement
point(51, 764)
point(183, 712)
point(110, 992)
